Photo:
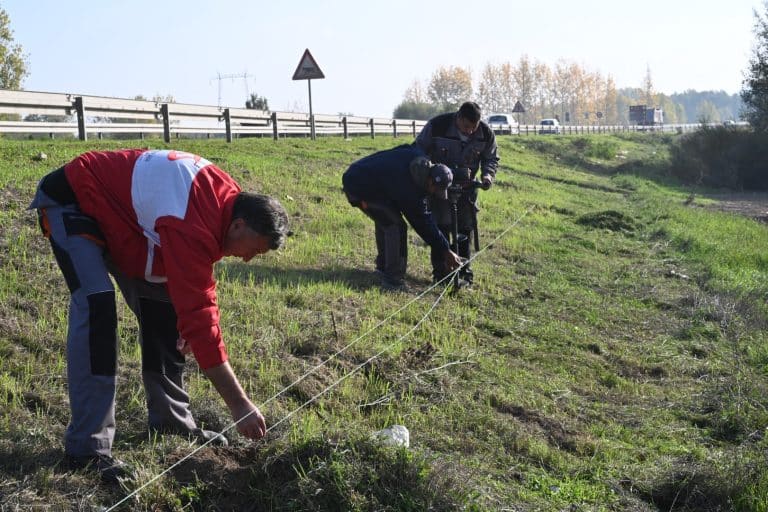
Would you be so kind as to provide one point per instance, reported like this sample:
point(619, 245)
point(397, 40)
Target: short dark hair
point(263, 214)
point(470, 111)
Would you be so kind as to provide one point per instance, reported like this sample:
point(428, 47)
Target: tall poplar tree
point(490, 93)
point(649, 95)
point(525, 83)
point(754, 93)
point(610, 108)
point(13, 61)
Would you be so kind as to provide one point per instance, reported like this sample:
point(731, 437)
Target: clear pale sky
point(370, 52)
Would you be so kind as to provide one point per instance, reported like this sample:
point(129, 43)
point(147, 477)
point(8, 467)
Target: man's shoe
point(393, 286)
point(110, 470)
point(208, 436)
point(439, 278)
point(445, 281)
point(463, 283)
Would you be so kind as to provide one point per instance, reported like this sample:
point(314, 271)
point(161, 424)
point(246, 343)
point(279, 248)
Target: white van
point(503, 123)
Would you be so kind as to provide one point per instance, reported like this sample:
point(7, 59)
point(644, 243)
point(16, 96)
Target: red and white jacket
point(164, 215)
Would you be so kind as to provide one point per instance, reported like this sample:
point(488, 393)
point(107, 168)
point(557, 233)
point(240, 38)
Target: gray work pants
point(442, 212)
point(92, 344)
point(391, 238)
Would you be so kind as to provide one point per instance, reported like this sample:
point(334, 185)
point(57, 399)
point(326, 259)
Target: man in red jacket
point(156, 221)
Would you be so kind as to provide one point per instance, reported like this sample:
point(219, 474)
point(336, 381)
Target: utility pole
point(245, 76)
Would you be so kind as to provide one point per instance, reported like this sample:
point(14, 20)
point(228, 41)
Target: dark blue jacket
point(386, 177)
point(441, 140)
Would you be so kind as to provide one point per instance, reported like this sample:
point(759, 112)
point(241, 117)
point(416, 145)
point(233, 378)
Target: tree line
point(567, 91)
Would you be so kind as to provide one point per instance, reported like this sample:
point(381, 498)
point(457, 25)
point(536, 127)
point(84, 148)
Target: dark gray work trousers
point(391, 238)
point(442, 211)
point(92, 343)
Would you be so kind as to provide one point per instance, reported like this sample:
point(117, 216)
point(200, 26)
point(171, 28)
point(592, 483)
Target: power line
point(244, 75)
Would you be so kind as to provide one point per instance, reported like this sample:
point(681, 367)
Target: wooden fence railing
point(82, 115)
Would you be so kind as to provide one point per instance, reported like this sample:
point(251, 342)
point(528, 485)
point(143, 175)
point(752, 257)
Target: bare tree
point(565, 86)
point(610, 101)
point(489, 89)
point(542, 106)
point(594, 90)
point(415, 93)
point(509, 92)
point(525, 83)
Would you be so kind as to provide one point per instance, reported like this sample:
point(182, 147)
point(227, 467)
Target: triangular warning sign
point(307, 68)
point(518, 107)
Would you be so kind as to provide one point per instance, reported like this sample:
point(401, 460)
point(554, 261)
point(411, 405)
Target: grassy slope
point(611, 356)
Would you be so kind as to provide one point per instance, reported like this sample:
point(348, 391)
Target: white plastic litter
point(396, 435)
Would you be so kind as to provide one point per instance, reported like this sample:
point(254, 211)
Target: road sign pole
point(311, 116)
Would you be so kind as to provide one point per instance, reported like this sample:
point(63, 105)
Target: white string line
point(448, 277)
point(362, 365)
point(293, 412)
point(445, 279)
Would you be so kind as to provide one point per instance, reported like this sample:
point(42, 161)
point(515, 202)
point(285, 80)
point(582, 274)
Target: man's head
point(440, 178)
point(259, 223)
point(468, 118)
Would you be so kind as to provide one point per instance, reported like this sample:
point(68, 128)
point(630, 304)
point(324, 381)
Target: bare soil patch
point(749, 204)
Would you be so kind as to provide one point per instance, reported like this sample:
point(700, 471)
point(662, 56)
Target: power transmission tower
point(245, 76)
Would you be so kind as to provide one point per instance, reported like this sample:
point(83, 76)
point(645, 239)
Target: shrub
point(604, 149)
point(721, 157)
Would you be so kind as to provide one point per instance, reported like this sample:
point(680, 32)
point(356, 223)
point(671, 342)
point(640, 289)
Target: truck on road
point(644, 115)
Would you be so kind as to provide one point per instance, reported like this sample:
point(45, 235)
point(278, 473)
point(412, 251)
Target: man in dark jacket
point(393, 184)
point(467, 145)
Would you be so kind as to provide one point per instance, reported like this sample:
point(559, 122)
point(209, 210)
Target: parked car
point(503, 123)
point(549, 126)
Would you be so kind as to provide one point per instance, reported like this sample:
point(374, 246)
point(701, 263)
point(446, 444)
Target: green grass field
point(612, 354)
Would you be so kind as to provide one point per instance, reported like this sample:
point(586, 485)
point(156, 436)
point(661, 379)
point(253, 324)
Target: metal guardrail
point(569, 129)
point(94, 114)
point(82, 114)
